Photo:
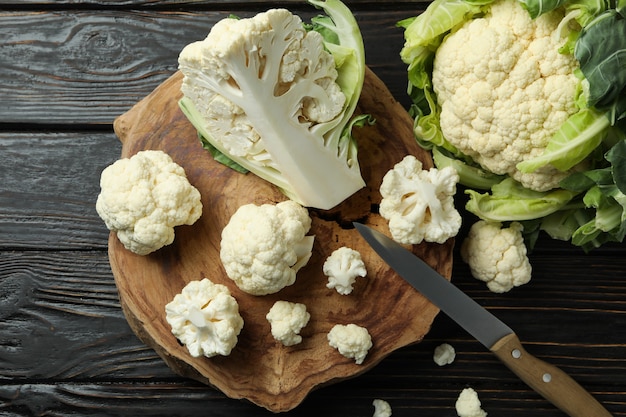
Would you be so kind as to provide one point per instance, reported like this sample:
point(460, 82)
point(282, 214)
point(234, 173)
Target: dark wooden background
point(67, 69)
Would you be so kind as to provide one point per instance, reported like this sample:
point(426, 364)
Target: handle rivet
point(516, 353)
point(547, 377)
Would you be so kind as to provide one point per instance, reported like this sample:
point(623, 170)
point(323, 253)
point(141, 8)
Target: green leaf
point(509, 201)
point(617, 157)
point(220, 157)
point(536, 8)
point(572, 143)
point(601, 52)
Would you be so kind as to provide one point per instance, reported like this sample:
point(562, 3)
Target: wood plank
point(88, 67)
point(49, 183)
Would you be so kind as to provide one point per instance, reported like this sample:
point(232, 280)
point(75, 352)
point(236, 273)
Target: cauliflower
point(144, 197)
point(286, 320)
point(278, 99)
point(468, 404)
point(351, 341)
point(381, 408)
point(205, 318)
point(444, 354)
point(497, 255)
point(263, 247)
point(419, 204)
point(505, 89)
point(342, 268)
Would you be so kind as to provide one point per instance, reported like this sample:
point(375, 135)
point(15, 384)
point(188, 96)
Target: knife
point(549, 381)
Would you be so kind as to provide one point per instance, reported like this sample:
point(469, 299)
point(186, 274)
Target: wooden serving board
point(259, 368)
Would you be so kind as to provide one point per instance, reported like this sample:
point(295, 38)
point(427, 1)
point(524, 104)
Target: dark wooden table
point(67, 69)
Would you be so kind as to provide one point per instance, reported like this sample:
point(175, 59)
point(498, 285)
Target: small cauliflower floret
point(381, 408)
point(351, 341)
point(419, 204)
point(468, 404)
point(504, 89)
point(263, 247)
point(205, 318)
point(497, 255)
point(444, 354)
point(342, 268)
point(144, 197)
point(287, 320)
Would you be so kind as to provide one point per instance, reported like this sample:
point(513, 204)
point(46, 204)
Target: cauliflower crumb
point(286, 320)
point(497, 255)
point(263, 247)
point(144, 197)
point(418, 203)
point(205, 318)
point(351, 341)
point(381, 408)
point(342, 268)
point(468, 404)
point(444, 354)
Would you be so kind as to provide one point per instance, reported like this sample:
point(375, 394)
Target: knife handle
point(549, 381)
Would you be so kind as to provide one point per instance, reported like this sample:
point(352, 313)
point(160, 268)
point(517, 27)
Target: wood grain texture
point(260, 369)
point(65, 347)
point(88, 67)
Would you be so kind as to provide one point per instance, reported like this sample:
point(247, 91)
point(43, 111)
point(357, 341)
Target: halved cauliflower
point(342, 268)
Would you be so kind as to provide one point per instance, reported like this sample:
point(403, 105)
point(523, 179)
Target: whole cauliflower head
point(497, 255)
point(504, 89)
point(144, 197)
point(342, 268)
point(418, 203)
point(351, 341)
point(287, 320)
point(205, 318)
point(264, 246)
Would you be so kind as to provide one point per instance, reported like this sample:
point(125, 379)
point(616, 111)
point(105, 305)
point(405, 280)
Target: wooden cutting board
point(259, 368)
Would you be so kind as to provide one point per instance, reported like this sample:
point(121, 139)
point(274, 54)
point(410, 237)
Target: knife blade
point(549, 381)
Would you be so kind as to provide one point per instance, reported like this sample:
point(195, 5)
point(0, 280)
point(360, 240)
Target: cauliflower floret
point(504, 90)
point(144, 197)
point(381, 408)
point(205, 318)
point(286, 320)
point(419, 204)
point(351, 341)
point(497, 255)
point(444, 354)
point(263, 247)
point(468, 404)
point(342, 268)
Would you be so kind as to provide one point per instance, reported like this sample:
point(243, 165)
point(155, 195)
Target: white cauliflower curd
point(144, 197)
point(287, 320)
point(342, 268)
point(418, 203)
point(205, 318)
point(444, 354)
point(264, 246)
point(468, 404)
point(351, 341)
point(497, 255)
point(504, 90)
point(381, 408)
